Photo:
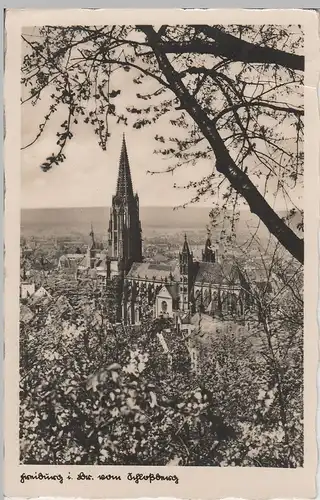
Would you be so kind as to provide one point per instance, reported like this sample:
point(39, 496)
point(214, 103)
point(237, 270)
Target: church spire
point(185, 248)
point(91, 234)
point(186, 267)
point(124, 184)
point(208, 242)
point(125, 243)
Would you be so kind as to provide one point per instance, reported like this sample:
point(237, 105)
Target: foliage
point(73, 412)
point(92, 393)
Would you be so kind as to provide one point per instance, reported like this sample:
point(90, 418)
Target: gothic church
point(140, 287)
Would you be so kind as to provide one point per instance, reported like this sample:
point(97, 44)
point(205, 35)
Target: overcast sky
point(88, 176)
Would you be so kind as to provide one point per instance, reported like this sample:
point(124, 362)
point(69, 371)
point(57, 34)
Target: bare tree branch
point(224, 163)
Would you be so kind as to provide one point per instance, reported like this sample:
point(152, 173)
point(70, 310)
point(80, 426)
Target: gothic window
point(219, 301)
point(215, 299)
point(164, 306)
point(237, 304)
point(248, 300)
point(133, 292)
point(232, 305)
point(224, 302)
point(240, 307)
point(206, 298)
point(198, 300)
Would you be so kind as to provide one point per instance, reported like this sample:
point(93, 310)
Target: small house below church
point(167, 301)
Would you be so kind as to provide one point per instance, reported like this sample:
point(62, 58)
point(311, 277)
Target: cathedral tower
point(125, 244)
point(186, 267)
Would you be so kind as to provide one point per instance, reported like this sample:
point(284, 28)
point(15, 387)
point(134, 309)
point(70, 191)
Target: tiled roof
point(172, 290)
point(72, 260)
point(26, 314)
point(61, 304)
point(216, 274)
point(258, 276)
point(204, 322)
point(42, 300)
point(73, 256)
point(209, 272)
point(43, 264)
point(184, 318)
point(101, 264)
point(159, 257)
point(255, 273)
point(150, 271)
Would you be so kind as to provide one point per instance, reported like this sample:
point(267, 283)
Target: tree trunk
point(224, 162)
point(234, 48)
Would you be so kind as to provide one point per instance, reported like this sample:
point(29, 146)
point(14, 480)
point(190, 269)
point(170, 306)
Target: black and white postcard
point(161, 264)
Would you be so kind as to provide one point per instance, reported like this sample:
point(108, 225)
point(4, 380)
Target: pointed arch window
point(164, 306)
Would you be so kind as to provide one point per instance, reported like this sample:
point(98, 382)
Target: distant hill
point(59, 222)
point(161, 217)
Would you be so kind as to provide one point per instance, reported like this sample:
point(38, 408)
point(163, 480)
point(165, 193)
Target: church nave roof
point(152, 271)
